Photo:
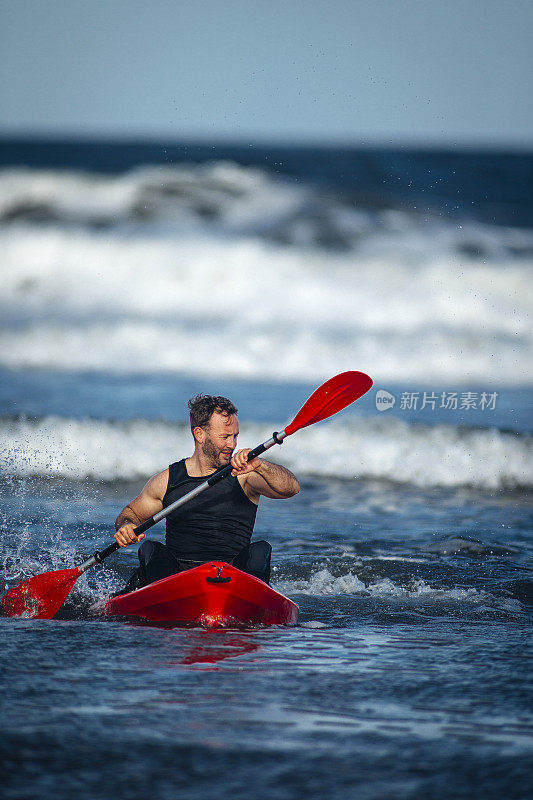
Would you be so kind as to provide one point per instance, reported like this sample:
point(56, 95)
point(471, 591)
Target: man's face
point(220, 439)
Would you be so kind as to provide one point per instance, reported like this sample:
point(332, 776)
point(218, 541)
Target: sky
point(340, 71)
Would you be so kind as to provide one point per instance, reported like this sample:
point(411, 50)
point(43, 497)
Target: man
point(215, 525)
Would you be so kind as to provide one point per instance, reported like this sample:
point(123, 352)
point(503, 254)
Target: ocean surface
point(134, 276)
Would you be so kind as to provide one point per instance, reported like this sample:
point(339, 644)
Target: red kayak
point(213, 595)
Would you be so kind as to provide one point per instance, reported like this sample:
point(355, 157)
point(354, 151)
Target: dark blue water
point(409, 545)
point(408, 675)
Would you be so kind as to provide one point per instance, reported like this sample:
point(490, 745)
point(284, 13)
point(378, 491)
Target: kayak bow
point(212, 595)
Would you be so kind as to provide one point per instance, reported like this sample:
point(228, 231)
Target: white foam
point(55, 446)
point(214, 305)
point(443, 455)
point(313, 624)
point(323, 583)
point(439, 455)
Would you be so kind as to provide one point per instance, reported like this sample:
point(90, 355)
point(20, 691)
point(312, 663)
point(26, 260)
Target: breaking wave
point(236, 200)
point(247, 308)
point(353, 449)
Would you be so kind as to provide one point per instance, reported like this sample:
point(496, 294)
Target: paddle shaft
point(216, 477)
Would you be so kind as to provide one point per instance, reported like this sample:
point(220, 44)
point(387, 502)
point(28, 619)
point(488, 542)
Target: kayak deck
point(213, 595)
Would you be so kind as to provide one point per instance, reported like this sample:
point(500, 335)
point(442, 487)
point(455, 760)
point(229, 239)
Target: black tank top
point(216, 524)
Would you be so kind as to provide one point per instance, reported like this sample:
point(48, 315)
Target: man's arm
point(264, 478)
point(144, 506)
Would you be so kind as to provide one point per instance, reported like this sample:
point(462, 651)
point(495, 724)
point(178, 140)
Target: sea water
point(134, 277)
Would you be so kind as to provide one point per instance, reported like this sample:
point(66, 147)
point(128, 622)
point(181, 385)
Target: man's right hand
point(126, 535)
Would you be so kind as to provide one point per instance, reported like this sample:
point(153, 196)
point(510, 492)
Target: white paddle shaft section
point(180, 502)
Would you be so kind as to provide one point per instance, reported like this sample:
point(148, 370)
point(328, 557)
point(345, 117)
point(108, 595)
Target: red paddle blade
point(331, 397)
point(40, 597)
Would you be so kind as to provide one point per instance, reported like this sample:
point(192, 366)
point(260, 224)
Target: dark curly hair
point(203, 406)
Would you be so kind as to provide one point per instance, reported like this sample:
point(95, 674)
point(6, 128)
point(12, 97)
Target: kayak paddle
point(43, 595)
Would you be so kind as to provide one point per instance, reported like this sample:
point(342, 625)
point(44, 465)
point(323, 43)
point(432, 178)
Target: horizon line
point(224, 140)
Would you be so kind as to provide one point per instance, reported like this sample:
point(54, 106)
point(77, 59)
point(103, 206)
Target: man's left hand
point(241, 465)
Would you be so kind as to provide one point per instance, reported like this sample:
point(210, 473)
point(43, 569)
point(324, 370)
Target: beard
point(213, 454)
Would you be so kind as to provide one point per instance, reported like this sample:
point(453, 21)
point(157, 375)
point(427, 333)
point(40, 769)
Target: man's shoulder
point(157, 485)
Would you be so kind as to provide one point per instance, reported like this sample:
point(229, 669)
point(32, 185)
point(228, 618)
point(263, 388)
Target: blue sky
point(386, 71)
